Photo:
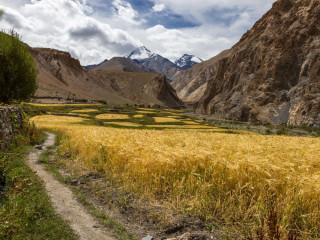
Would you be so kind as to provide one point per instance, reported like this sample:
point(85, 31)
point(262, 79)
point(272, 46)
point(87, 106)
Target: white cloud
point(65, 24)
point(124, 11)
point(221, 25)
point(198, 9)
point(173, 43)
point(158, 7)
point(114, 28)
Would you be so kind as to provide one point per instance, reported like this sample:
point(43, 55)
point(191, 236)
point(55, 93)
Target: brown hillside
point(273, 74)
point(62, 76)
point(140, 88)
point(120, 64)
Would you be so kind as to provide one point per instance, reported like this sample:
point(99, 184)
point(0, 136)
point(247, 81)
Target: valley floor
point(170, 174)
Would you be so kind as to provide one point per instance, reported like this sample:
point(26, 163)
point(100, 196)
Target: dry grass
point(263, 187)
point(62, 105)
point(175, 116)
point(56, 120)
point(146, 112)
point(138, 116)
point(165, 119)
point(179, 126)
point(112, 116)
point(85, 111)
point(125, 124)
point(147, 109)
point(174, 110)
point(190, 122)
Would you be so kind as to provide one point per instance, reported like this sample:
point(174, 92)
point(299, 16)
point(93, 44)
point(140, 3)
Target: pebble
point(147, 238)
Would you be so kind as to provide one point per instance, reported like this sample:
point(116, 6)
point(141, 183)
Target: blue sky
point(94, 30)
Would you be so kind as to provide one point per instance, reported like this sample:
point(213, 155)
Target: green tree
point(18, 72)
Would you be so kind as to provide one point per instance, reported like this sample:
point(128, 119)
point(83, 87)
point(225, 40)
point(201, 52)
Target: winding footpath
point(64, 200)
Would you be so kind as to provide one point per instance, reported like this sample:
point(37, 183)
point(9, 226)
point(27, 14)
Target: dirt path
point(64, 201)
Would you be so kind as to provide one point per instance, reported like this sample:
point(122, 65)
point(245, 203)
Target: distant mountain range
point(142, 59)
point(271, 76)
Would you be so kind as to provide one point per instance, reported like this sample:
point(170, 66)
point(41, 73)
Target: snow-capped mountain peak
point(140, 53)
point(154, 63)
point(188, 61)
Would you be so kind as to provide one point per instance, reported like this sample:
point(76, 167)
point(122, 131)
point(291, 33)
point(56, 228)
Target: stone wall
point(11, 119)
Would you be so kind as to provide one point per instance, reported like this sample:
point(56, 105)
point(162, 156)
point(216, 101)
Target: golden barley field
point(254, 184)
point(112, 116)
point(84, 111)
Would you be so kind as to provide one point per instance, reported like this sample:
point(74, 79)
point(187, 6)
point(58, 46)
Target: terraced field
point(251, 184)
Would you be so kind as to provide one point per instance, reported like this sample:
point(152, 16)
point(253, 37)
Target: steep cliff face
point(190, 85)
point(62, 76)
point(272, 75)
point(165, 92)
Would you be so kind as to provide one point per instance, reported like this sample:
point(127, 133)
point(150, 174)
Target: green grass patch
point(25, 209)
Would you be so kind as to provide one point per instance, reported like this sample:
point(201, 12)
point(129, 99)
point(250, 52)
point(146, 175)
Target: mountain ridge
point(272, 74)
point(191, 84)
point(152, 62)
point(120, 64)
point(147, 61)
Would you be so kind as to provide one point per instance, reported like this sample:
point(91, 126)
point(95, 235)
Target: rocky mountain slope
point(62, 76)
point(191, 84)
point(120, 64)
point(272, 75)
point(188, 61)
point(140, 88)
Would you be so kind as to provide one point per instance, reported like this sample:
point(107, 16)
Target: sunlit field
point(125, 124)
point(84, 111)
point(112, 116)
point(237, 181)
point(165, 119)
point(62, 105)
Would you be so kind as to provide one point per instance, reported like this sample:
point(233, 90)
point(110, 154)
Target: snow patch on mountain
point(188, 61)
point(140, 53)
